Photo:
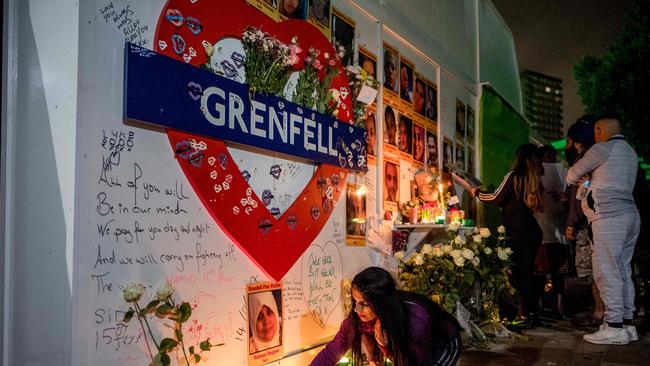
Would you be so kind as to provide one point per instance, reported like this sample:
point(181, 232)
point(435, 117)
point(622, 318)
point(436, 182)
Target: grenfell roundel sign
point(202, 111)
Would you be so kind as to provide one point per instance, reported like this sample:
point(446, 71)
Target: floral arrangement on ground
point(455, 270)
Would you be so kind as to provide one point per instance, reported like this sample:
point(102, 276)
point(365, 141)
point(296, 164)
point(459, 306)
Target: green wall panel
point(502, 131)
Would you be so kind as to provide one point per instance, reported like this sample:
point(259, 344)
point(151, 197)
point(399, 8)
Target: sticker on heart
point(273, 242)
point(321, 274)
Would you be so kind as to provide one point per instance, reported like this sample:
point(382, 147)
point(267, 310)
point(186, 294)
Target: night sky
point(552, 35)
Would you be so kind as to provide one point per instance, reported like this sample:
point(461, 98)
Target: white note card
point(367, 95)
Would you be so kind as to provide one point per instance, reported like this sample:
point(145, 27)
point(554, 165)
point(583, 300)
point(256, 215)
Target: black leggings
point(524, 241)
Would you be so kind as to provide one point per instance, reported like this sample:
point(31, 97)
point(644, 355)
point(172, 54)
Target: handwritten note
point(292, 299)
point(125, 20)
point(321, 274)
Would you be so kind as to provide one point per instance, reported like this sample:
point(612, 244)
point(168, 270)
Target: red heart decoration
point(273, 244)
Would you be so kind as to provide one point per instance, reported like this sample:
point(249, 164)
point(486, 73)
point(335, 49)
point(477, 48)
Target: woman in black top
point(519, 194)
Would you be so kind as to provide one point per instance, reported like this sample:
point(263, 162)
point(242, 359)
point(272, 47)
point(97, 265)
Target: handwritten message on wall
point(322, 270)
point(144, 228)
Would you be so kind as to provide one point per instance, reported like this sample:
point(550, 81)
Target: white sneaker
point(608, 335)
point(631, 332)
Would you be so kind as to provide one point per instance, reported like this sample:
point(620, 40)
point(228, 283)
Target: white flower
point(453, 227)
point(333, 94)
point(475, 261)
point(399, 255)
point(477, 238)
point(132, 292)
point(460, 261)
point(468, 253)
point(501, 229)
point(502, 254)
point(446, 248)
point(419, 260)
point(459, 240)
point(427, 249)
point(164, 291)
point(484, 232)
point(438, 252)
point(456, 253)
point(487, 250)
point(508, 250)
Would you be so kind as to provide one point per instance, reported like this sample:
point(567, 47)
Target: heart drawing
point(273, 242)
point(321, 274)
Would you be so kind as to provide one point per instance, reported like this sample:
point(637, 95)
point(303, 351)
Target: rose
point(484, 232)
point(477, 238)
point(427, 249)
point(164, 291)
point(467, 253)
point(456, 253)
point(501, 229)
point(459, 240)
point(475, 261)
point(418, 259)
point(487, 250)
point(438, 252)
point(399, 255)
point(132, 292)
point(446, 248)
point(460, 261)
point(453, 227)
point(502, 254)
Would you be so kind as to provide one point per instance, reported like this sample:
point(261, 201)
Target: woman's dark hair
point(387, 302)
point(528, 171)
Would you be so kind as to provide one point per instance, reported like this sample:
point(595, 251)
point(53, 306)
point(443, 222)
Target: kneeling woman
point(386, 323)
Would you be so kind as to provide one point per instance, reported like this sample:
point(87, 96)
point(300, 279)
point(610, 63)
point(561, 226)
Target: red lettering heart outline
point(226, 194)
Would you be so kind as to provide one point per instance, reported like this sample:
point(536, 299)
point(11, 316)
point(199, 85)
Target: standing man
point(611, 165)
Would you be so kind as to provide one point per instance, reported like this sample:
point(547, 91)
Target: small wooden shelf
point(419, 232)
point(429, 227)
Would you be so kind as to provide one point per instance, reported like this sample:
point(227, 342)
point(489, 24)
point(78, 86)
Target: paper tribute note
point(367, 95)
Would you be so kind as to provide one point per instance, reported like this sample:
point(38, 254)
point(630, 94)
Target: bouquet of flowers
point(308, 81)
point(162, 306)
point(407, 207)
point(358, 79)
point(313, 93)
point(447, 272)
point(327, 99)
point(269, 62)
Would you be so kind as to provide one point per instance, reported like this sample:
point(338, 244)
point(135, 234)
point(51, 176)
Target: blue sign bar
point(162, 91)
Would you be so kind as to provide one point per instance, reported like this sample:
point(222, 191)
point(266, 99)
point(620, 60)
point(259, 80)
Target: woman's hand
point(380, 336)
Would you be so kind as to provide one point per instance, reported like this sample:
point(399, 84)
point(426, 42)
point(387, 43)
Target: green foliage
point(618, 81)
point(305, 93)
point(185, 311)
point(167, 344)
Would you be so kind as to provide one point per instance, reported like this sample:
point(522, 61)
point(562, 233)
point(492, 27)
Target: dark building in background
point(542, 96)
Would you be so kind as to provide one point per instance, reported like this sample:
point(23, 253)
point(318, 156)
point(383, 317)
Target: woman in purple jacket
point(386, 323)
